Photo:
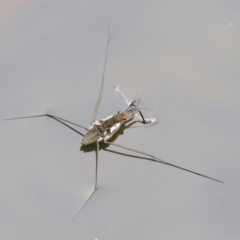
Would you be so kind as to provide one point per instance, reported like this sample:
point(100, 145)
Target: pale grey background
point(184, 55)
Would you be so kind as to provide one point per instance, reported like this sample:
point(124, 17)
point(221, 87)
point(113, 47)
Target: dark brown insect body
point(104, 129)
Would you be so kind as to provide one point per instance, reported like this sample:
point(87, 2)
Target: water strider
point(104, 129)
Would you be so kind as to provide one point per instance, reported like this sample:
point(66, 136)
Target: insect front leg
point(144, 122)
point(136, 103)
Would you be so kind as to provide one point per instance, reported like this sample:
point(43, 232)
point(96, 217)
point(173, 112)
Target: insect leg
point(144, 122)
point(93, 120)
point(161, 161)
point(84, 203)
point(129, 126)
point(103, 78)
point(96, 170)
point(95, 189)
point(55, 118)
point(68, 126)
point(123, 95)
point(136, 103)
point(48, 115)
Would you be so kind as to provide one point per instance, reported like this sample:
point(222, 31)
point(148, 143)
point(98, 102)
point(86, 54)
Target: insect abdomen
point(93, 135)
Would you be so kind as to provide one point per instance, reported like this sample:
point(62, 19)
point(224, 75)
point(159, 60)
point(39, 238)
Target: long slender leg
point(103, 78)
point(57, 119)
point(48, 115)
point(160, 160)
point(96, 174)
point(93, 120)
point(84, 204)
point(68, 126)
point(52, 118)
point(96, 170)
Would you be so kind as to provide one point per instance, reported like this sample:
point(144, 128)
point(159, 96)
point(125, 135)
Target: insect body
point(104, 129)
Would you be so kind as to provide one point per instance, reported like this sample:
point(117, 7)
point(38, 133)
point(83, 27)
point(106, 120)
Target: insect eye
point(119, 112)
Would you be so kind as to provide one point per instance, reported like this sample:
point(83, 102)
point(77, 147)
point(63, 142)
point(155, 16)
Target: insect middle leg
point(55, 118)
point(96, 169)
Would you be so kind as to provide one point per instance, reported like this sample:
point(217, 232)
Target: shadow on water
point(103, 146)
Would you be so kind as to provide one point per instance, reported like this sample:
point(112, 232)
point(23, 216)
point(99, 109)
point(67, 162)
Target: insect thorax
point(112, 120)
point(102, 129)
